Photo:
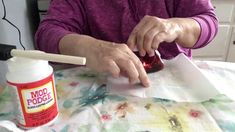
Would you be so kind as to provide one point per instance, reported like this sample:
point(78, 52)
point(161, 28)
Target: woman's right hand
point(103, 56)
point(117, 59)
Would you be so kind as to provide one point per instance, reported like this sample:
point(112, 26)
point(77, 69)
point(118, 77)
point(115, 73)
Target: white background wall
point(20, 14)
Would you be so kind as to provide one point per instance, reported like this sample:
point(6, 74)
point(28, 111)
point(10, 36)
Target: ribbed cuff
point(204, 34)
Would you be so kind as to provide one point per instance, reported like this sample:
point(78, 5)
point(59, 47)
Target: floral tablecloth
point(85, 104)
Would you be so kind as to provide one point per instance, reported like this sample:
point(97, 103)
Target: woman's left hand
point(150, 32)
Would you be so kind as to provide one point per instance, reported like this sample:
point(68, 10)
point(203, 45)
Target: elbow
point(41, 38)
point(48, 36)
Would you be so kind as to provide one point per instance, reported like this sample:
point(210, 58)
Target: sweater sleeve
point(63, 17)
point(201, 11)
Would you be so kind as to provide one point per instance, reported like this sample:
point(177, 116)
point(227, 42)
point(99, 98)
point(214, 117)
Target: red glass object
point(151, 64)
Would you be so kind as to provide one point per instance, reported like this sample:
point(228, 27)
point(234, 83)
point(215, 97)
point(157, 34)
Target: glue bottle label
point(37, 104)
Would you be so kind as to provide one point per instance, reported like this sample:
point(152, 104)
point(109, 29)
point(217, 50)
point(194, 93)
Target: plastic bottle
point(32, 82)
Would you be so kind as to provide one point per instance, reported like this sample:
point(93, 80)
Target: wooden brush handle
point(35, 54)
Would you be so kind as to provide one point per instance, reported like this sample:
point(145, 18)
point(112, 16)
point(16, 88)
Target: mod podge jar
point(32, 82)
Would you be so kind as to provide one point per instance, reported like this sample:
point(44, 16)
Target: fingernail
point(142, 54)
point(135, 48)
point(147, 84)
point(151, 54)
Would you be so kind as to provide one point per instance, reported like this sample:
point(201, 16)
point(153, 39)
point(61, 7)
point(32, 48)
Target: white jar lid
point(24, 70)
point(21, 63)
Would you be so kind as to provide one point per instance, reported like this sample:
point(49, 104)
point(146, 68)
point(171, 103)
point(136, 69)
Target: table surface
point(85, 104)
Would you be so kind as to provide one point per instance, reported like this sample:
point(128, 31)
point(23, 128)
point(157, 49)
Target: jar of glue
point(32, 82)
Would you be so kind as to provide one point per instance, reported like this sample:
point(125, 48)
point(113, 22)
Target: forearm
point(199, 22)
point(84, 46)
point(189, 31)
point(77, 45)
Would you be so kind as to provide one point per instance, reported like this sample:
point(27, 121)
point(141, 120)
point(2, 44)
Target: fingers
point(129, 68)
point(130, 64)
point(112, 68)
point(131, 41)
point(159, 38)
point(148, 41)
point(139, 67)
point(142, 73)
point(117, 59)
point(137, 36)
point(150, 32)
point(143, 35)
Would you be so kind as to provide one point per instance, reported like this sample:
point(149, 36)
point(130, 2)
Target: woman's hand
point(104, 56)
point(117, 59)
point(151, 31)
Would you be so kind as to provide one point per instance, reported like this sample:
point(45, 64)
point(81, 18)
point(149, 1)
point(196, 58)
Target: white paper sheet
point(180, 80)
